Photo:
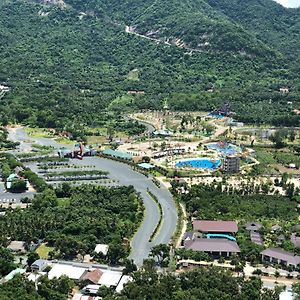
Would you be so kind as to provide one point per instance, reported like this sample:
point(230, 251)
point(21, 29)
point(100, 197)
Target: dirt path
point(184, 227)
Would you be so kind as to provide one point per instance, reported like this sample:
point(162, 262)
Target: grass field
point(94, 140)
point(43, 251)
point(64, 141)
point(39, 132)
point(63, 201)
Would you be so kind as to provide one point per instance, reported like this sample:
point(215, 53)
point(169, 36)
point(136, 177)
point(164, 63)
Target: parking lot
point(7, 197)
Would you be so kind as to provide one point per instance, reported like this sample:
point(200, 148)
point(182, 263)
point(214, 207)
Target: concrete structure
point(280, 256)
point(231, 164)
point(215, 247)
point(206, 226)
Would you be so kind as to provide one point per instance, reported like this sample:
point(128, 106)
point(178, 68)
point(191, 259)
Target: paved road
point(126, 176)
point(19, 135)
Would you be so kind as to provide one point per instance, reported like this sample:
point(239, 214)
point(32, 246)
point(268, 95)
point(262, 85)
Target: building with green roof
point(117, 154)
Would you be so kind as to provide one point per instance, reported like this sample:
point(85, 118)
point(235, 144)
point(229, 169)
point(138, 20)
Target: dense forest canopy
point(68, 64)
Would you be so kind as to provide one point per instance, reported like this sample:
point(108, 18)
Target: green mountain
point(68, 60)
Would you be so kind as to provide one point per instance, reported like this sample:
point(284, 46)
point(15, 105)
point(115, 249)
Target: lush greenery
point(65, 67)
point(92, 215)
point(20, 288)
point(210, 284)
point(209, 203)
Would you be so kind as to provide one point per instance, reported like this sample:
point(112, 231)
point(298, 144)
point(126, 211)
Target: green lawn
point(38, 132)
point(43, 251)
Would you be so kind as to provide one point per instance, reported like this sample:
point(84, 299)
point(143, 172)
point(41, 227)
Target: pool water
point(216, 116)
point(199, 163)
point(221, 236)
point(225, 149)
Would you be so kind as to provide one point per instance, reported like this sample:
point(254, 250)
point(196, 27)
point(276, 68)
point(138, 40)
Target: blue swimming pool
point(221, 236)
point(216, 116)
point(224, 148)
point(199, 163)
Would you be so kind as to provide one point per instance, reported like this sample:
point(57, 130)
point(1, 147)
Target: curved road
point(126, 176)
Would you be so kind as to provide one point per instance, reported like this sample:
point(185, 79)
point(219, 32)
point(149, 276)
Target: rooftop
point(281, 254)
point(70, 271)
point(146, 166)
point(117, 154)
point(213, 245)
point(93, 275)
point(101, 248)
point(215, 226)
point(17, 246)
point(13, 273)
point(110, 278)
point(253, 226)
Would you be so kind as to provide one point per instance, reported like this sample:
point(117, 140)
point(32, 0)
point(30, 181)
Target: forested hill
point(254, 26)
point(71, 59)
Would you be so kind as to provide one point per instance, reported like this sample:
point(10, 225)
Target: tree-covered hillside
point(66, 64)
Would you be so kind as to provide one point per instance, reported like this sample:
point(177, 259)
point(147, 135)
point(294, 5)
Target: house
point(101, 248)
point(39, 265)
point(206, 226)
point(92, 276)
point(280, 256)
point(17, 246)
point(215, 247)
point(252, 226)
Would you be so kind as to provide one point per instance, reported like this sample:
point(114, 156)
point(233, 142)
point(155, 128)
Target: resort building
point(255, 236)
point(231, 164)
point(222, 227)
point(215, 247)
point(280, 256)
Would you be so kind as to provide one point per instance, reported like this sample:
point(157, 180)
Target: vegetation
point(203, 283)
point(207, 203)
point(93, 215)
point(20, 288)
point(77, 76)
